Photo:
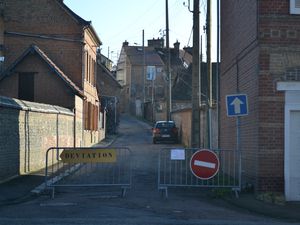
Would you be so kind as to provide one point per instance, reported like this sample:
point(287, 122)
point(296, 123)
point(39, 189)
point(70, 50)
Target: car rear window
point(168, 125)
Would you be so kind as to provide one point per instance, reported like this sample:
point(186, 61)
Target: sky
point(118, 20)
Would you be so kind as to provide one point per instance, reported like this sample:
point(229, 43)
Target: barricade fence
point(174, 170)
point(88, 167)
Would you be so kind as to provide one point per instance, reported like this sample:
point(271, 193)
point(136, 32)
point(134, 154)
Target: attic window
point(294, 6)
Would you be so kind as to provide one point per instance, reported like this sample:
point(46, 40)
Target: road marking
point(205, 164)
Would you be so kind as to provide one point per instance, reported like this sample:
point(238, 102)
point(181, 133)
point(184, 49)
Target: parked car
point(165, 131)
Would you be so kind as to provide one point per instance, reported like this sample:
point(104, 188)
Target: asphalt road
point(143, 203)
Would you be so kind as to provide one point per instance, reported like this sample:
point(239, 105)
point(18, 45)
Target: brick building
point(143, 77)
point(110, 94)
point(49, 56)
point(260, 49)
point(138, 87)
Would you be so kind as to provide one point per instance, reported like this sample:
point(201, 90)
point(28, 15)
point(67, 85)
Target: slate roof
point(79, 19)
point(136, 54)
point(33, 49)
point(108, 74)
point(175, 60)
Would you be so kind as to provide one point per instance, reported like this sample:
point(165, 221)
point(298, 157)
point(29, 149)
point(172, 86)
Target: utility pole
point(144, 76)
point(168, 70)
point(218, 71)
point(195, 133)
point(209, 75)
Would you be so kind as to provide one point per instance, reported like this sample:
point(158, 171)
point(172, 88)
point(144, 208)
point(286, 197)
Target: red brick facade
point(260, 41)
point(68, 41)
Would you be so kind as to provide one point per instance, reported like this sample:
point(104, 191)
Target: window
point(90, 116)
point(26, 86)
point(90, 69)
point(295, 6)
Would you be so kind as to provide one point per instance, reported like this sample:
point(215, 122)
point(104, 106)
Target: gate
point(174, 170)
point(88, 167)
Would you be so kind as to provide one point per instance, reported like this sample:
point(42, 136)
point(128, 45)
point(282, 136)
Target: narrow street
point(143, 204)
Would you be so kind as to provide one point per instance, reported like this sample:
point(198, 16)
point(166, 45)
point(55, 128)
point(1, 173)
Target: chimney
point(156, 43)
point(125, 43)
point(176, 48)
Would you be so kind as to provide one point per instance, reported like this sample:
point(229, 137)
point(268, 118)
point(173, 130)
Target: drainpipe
point(74, 128)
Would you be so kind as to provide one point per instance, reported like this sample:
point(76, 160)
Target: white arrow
point(237, 105)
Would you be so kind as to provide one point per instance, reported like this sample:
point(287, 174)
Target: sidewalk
point(289, 211)
point(26, 187)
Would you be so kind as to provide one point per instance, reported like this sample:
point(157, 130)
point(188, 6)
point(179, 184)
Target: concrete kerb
point(289, 211)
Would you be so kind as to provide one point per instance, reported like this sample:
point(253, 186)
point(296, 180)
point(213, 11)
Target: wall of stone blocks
point(27, 131)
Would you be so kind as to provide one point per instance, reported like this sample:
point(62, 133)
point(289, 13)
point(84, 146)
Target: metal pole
point(209, 73)
point(195, 132)
point(144, 74)
point(217, 73)
point(238, 150)
point(169, 98)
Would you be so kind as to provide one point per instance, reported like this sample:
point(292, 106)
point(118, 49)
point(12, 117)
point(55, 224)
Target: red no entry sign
point(204, 164)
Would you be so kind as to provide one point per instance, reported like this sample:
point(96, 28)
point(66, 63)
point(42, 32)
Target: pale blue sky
point(118, 20)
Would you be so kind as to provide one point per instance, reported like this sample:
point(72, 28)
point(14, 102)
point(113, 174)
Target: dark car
point(165, 131)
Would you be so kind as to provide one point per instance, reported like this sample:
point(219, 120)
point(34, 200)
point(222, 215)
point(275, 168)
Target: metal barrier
point(88, 167)
point(174, 170)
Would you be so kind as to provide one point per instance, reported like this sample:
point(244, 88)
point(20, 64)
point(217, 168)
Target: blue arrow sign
point(237, 105)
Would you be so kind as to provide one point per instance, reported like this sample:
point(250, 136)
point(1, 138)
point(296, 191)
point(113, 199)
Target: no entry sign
point(204, 164)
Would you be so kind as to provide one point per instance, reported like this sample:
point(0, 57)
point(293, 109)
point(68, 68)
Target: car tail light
point(156, 130)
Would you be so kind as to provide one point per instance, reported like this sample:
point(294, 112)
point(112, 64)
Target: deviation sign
point(88, 155)
point(204, 164)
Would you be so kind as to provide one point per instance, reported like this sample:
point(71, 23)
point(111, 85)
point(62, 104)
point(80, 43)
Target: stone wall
point(28, 130)
point(183, 118)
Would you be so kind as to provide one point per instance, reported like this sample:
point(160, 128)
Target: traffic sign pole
point(237, 106)
point(238, 149)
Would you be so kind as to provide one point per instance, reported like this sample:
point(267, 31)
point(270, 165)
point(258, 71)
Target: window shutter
point(294, 6)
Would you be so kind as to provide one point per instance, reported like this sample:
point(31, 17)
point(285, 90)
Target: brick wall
point(28, 130)
point(239, 74)
point(279, 51)
point(54, 30)
point(183, 118)
point(260, 43)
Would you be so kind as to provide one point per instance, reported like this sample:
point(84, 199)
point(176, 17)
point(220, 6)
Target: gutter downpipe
point(74, 128)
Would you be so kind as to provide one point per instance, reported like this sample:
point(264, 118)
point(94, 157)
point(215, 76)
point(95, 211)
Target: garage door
point(293, 163)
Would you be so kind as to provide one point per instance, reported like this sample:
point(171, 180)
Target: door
point(293, 159)
point(26, 86)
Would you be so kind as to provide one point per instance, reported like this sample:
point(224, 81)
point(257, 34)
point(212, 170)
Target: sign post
point(237, 106)
point(204, 164)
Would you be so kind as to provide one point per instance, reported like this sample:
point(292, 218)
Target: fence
point(88, 167)
point(174, 170)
